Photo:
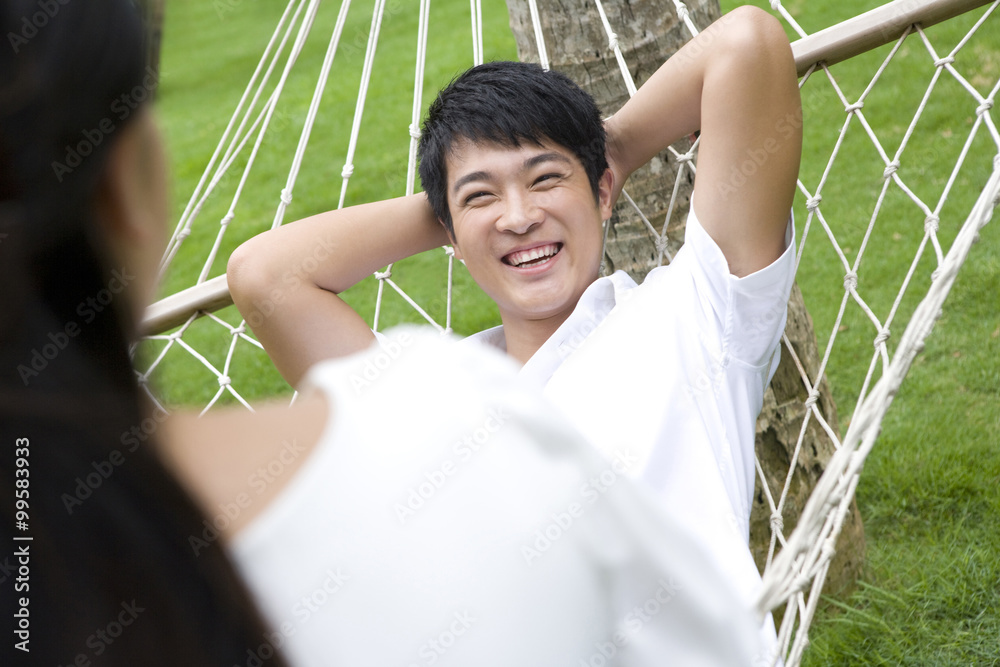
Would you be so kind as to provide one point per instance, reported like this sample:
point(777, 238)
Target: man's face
point(527, 225)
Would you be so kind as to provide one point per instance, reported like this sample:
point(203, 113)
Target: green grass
point(929, 493)
point(208, 56)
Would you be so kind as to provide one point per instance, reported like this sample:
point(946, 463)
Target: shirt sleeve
point(747, 314)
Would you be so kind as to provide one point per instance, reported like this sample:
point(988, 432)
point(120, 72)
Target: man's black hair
point(506, 103)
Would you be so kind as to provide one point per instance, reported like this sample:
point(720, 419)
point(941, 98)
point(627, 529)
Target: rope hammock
point(796, 563)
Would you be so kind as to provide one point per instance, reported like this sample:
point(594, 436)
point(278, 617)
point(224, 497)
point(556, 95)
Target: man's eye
point(475, 195)
point(547, 177)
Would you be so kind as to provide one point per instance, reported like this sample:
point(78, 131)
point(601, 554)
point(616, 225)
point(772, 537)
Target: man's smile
point(531, 257)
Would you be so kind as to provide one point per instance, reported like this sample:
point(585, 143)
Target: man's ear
point(606, 193)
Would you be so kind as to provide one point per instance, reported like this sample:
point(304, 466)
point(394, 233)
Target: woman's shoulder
point(216, 455)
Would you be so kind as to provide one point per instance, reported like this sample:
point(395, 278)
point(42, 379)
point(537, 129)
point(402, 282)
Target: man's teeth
point(533, 256)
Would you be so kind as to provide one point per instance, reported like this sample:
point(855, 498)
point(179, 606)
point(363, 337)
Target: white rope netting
point(912, 177)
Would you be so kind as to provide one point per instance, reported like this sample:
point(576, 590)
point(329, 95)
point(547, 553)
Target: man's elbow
point(759, 41)
point(251, 274)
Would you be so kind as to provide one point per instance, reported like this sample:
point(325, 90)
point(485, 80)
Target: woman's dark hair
point(506, 103)
point(110, 572)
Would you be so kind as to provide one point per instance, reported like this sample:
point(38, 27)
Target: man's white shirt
point(672, 374)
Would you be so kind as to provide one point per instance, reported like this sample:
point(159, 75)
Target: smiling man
point(522, 194)
point(519, 172)
point(523, 205)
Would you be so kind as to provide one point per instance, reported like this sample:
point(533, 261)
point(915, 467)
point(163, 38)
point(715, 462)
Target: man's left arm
point(736, 83)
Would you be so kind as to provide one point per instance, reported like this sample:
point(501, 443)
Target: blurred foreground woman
point(467, 526)
point(108, 575)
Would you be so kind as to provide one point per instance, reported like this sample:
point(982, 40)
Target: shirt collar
point(594, 305)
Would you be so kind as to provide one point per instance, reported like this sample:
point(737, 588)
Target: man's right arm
point(736, 82)
point(285, 281)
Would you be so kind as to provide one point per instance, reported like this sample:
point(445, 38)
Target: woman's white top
point(447, 517)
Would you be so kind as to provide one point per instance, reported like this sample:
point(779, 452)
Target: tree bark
point(648, 32)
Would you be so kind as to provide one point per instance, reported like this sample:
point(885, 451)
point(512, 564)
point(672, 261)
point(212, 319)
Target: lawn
point(930, 492)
